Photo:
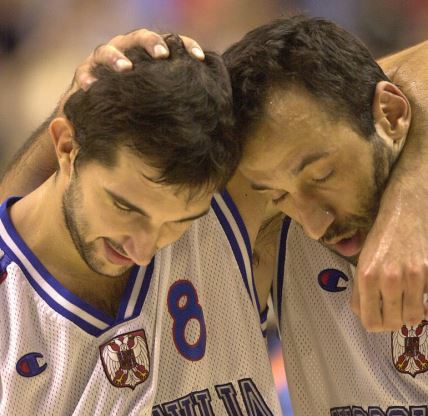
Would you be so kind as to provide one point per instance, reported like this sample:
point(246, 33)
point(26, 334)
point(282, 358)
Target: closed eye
point(122, 207)
point(324, 178)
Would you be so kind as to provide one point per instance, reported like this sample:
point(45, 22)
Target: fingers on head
point(83, 77)
point(152, 42)
point(193, 47)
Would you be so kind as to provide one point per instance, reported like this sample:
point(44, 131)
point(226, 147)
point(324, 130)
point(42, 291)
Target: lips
point(114, 256)
point(348, 247)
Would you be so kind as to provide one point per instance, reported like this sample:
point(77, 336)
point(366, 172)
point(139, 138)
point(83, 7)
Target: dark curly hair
point(313, 53)
point(176, 113)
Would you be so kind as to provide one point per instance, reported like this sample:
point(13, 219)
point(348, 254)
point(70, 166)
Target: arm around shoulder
point(31, 166)
point(393, 264)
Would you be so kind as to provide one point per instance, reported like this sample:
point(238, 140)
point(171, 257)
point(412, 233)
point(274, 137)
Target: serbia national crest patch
point(126, 359)
point(410, 349)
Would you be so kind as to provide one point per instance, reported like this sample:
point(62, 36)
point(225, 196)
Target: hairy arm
point(392, 272)
point(31, 166)
point(36, 160)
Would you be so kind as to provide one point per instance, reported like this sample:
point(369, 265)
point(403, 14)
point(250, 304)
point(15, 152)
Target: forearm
point(31, 166)
point(409, 70)
point(392, 271)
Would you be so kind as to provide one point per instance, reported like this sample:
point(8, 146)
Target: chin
point(115, 271)
point(104, 268)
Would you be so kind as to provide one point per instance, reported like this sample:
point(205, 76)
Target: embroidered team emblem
point(126, 359)
point(410, 349)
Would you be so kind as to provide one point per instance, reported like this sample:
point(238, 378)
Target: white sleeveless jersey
point(333, 366)
point(186, 339)
point(213, 358)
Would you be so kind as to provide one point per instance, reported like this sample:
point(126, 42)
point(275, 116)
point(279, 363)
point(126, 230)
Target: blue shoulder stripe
point(264, 320)
point(281, 266)
point(59, 298)
point(239, 240)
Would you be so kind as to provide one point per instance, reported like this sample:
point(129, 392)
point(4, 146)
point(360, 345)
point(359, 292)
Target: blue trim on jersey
point(264, 315)
point(144, 288)
point(281, 262)
point(127, 292)
point(106, 320)
point(243, 229)
point(239, 221)
point(263, 320)
point(232, 240)
point(234, 243)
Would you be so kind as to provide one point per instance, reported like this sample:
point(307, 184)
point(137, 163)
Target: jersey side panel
point(333, 365)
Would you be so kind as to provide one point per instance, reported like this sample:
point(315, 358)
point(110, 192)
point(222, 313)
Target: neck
point(39, 220)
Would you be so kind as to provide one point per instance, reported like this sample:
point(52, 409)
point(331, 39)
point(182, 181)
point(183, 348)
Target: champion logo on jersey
point(333, 280)
point(126, 359)
point(410, 349)
point(31, 365)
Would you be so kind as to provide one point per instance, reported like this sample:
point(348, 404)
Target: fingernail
point(160, 51)
point(87, 83)
point(198, 53)
point(122, 64)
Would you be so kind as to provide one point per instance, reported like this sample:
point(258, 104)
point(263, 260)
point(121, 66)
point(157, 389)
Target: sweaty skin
point(392, 271)
point(393, 265)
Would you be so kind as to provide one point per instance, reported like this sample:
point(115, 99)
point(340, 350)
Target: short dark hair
point(176, 113)
point(314, 53)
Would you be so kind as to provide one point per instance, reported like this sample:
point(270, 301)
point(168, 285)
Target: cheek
point(104, 220)
point(363, 191)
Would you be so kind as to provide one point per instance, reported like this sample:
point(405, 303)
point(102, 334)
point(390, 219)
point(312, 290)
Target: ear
point(392, 114)
point(66, 148)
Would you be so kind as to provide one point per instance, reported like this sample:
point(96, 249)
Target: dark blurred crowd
point(42, 42)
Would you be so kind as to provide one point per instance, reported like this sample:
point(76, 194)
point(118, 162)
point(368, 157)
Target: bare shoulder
point(265, 254)
point(407, 65)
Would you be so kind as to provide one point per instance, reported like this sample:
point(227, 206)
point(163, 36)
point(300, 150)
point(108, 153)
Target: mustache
point(347, 227)
point(116, 246)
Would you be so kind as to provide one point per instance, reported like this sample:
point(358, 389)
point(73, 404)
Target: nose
point(314, 217)
point(142, 245)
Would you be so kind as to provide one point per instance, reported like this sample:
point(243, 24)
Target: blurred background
point(42, 42)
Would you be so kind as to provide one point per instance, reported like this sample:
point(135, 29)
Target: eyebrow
point(307, 160)
point(145, 214)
